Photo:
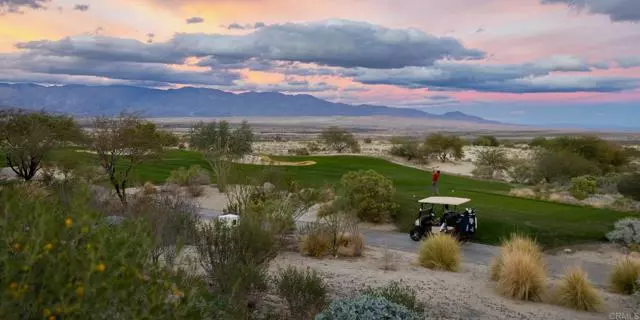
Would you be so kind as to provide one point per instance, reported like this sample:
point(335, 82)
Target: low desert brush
point(516, 242)
point(400, 293)
point(624, 276)
point(440, 252)
point(304, 291)
point(315, 244)
point(521, 276)
point(576, 292)
point(350, 245)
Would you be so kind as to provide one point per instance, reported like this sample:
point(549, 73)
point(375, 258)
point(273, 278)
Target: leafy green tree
point(28, 138)
point(122, 143)
point(339, 140)
point(221, 146)
point(369, 195)
point(444, 147)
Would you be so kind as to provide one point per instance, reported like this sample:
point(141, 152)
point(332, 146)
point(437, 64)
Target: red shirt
point(435, 177)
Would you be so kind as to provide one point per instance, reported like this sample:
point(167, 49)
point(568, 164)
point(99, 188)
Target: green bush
point(62, 260)
point(606, 155)
point(486, 141)
point(521, 171)
point(582, 187)
point(398, 293)
point(629, 186)
point(193, 178)
point(304, 292)
point(369, 194)
point(538, 142)
point(366, 307)
point(406, 148)
point(443, 147)
point(562, 166)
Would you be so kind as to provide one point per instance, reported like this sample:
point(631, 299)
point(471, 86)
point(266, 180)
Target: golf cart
point(461, 225)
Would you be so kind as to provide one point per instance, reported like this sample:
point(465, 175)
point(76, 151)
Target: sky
point(508, 59)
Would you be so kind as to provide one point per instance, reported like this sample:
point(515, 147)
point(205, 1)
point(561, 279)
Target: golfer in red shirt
point(434, 182)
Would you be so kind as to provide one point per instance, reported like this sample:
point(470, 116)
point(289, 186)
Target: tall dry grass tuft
point(624, 275)
point(440, 252)
point(576, 292)
point(521, 276)
point(314, 244)
point(519, 243)
point(350, 245)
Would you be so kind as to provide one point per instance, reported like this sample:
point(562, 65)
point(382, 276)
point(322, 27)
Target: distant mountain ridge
point(81, 100)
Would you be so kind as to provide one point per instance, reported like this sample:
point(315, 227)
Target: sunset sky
point(425, 54)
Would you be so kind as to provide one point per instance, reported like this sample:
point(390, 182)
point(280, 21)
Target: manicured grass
point(552, 224)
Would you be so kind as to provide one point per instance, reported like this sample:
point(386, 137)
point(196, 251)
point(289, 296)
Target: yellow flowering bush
point(61, 260)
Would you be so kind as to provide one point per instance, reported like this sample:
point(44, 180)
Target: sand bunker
point(267, 161)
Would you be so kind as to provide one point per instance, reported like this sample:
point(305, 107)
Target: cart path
point(473, 253)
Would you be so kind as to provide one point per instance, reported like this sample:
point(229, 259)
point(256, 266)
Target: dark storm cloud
point(617, 10)
point(16, 6)
point(193, 20)
point(509, 78)
point(81, 7)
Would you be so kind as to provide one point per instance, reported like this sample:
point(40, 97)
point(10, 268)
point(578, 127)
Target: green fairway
point(499, 214)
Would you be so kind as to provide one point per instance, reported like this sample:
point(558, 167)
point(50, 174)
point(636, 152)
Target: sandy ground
point(464, 295)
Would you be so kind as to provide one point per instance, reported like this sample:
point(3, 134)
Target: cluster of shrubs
point(436, 146)
point(194, 179)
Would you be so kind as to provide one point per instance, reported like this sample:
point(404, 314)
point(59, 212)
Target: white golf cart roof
point(452, 201)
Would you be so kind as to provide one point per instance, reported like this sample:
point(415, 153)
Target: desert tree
point(339, 140)
point(28, 138)
point(443, 146)
point(122, 143)
point(491, 160)
point(221, 146)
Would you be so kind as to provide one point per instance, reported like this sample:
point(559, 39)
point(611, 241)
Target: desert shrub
point(582, 187)
point(235, 259)
point(625, 231)
point(521, 171)
point(63, 260)
point(313, 147)
point(388, 260)
point(193, 178)
point(494, 159)
point(629, 186)
point(608, 184)
point(339, 140)
point(538, 142)
point(315, 244)
point(367, 140)
point(399, 293)
point(521, 276)
point(443, 147)
point(407, 148)
point(304, 292)
point(149, 189)
point(561, 166)
point(299, 152)
point(366, 307)
point(576, 292)
point(369, 194)
point(624, 276)
point(486, 141)
point(440, 252)
point(519, 243)
point(350, 244)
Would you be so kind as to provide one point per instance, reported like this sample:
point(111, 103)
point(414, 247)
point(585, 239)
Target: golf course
point(499, 214)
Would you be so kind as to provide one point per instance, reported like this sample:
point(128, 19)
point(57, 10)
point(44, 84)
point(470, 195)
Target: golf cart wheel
point(415, 235)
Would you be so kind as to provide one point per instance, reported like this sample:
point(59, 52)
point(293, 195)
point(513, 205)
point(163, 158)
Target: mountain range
point(81, 100)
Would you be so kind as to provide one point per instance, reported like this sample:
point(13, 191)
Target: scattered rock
point(268, 187)
point(568, 251)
